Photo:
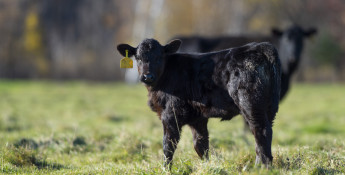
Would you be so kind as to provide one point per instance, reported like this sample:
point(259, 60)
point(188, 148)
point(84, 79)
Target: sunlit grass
point(95, 128)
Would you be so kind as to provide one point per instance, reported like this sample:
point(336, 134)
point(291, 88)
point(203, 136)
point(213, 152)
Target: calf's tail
point(272, 57)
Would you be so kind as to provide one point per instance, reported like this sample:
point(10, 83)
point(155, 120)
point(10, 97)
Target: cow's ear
point(123, 47)
point(276, 32)
point(172, 46)
point(310, 32)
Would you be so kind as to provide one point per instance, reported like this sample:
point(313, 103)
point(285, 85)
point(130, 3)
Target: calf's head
point(291, 45)
point(151, 58)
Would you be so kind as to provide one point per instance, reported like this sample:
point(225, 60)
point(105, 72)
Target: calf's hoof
point(266, 162)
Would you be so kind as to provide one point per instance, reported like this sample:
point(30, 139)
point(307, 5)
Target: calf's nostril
point(148, 77)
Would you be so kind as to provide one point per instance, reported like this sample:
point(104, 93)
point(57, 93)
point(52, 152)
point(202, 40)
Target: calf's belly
point(226, 112)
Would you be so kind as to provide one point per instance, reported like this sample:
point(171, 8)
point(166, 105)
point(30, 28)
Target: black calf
point(289, 43)
point(188, 89)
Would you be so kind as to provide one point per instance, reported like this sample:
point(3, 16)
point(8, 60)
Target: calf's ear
point(172, 46)
point(123, 47)
point(310, 32)
point(276, 32)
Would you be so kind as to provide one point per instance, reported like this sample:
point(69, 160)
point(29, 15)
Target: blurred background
point(95, 127)
point(64, 39)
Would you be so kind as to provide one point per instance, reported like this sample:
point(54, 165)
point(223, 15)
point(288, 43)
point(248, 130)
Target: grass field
point(94, 128)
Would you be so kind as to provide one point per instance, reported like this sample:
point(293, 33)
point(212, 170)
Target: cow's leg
point(172, 132)
point(200, 137)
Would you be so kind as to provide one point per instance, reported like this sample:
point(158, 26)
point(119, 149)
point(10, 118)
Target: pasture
point(107, 128)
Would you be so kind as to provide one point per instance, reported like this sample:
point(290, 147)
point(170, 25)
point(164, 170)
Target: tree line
point(62, 39)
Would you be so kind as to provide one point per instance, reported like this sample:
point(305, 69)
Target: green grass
point(95, 128)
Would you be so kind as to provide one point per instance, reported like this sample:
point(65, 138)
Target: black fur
point(188, 89)
point(294, 34)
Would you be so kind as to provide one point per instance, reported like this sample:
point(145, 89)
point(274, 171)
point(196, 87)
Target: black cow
point(289, 44)
point(188, 89)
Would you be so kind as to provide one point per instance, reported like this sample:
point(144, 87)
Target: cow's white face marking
point(286, 52)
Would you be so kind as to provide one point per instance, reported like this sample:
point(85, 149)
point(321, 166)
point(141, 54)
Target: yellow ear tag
point(126, 62)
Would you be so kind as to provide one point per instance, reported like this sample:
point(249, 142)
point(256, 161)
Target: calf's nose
point(148, 78)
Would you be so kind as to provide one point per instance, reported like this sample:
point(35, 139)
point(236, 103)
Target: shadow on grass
point(26, 143)
point(20, 156)
point(321, 170)
point(12, 124)
point(47, 165)
point(116, 119)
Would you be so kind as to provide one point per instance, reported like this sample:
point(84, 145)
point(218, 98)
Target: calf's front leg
point(171, 137)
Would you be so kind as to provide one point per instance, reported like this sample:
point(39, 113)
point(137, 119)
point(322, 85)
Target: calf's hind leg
point(200, 137)
point(262, 131)
point(253, 108)
point(263, 139)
